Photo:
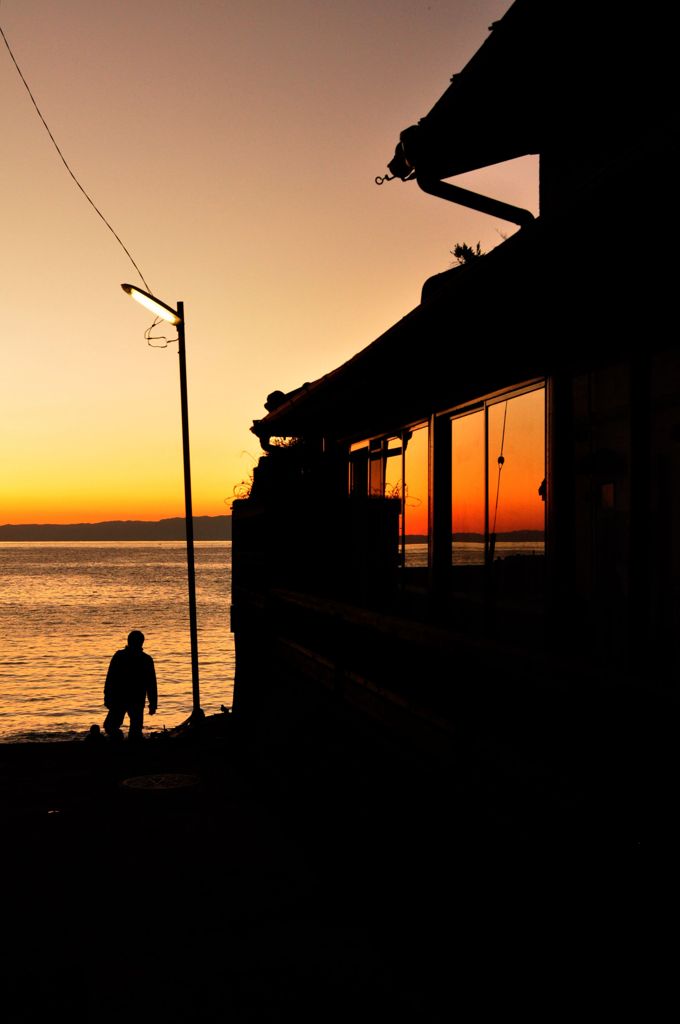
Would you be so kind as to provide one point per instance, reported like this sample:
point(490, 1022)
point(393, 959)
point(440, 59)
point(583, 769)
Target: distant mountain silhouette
point(205, 528)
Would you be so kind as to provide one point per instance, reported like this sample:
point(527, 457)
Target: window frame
point(483, 404)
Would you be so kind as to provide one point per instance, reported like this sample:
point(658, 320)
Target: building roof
point(576, 75)
point(488, 113)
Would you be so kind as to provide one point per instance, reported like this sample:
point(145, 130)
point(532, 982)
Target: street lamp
point(176, 317)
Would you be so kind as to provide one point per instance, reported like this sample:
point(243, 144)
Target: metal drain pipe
point(474, 201)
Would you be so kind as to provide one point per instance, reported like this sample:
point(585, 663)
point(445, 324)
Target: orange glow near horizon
point(83, 489)
point(108, 511)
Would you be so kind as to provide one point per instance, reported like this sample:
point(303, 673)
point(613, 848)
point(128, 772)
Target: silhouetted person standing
point(131, 679)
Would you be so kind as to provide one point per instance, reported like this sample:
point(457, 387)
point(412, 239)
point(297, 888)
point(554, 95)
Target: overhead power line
point(66, 164)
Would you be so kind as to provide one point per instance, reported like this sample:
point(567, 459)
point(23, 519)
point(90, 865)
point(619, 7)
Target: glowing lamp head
point(153, 304)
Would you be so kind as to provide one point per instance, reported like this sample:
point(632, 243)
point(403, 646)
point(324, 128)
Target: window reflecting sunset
point(416, 497)
point(506, 440)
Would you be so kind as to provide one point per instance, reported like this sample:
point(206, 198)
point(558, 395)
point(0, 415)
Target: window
point(416, 512)
point(358, 469)
point(468, 488)
point(398, 467)
point(498, 479)
point(394, 468)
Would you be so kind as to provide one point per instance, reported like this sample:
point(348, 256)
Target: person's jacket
point(131, 678)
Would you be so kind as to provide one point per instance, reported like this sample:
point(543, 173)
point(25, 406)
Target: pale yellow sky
point(233, 146)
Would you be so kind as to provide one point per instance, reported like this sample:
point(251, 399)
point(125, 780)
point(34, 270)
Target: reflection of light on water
point(416, 555)
point(65, 608)
point(467, 552)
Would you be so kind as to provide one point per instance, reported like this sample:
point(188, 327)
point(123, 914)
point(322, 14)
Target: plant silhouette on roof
point(466, 253)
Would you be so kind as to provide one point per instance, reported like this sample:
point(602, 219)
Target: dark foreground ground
point(312, 876)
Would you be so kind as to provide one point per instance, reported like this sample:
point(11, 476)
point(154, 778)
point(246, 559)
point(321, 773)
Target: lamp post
point(176, 317)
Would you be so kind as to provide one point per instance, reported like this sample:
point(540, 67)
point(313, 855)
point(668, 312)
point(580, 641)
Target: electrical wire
point(151, 338)
point(66, 165)
point(501, 463)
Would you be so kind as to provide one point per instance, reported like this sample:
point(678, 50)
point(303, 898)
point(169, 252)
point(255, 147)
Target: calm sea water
point(66, 607)
point(472, 552)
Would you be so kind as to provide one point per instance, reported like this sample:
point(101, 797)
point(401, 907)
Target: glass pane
point(467, 489)
point(358, 468)
point(393, 469)
point(376, 482)
point(416, 510)
point(516, 474)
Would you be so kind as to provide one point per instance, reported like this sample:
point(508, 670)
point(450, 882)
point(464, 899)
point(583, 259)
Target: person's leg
point(113, 722)
point(136, 716)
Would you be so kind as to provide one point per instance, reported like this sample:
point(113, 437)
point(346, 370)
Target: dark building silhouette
point(523, 421)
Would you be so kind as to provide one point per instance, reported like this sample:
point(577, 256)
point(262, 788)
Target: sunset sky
point(233, 146)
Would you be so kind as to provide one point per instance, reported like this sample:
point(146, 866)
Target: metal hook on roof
point(387, 177)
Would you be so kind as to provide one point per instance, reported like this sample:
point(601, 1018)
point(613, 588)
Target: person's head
point(136, 640)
